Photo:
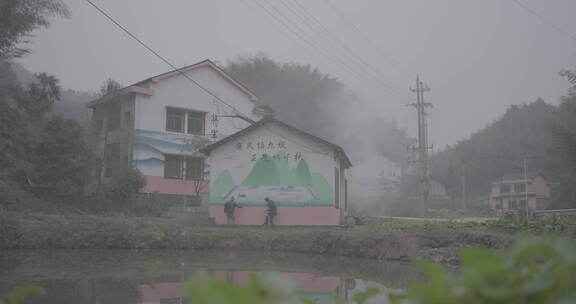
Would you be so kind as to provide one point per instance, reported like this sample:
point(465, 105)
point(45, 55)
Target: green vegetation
point(17, 296)
point(20, 18)
point(303, 96)
point(544, 132)
point(531, 270)
point(439, 242)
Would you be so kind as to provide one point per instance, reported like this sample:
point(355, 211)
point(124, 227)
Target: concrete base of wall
point(287, 216)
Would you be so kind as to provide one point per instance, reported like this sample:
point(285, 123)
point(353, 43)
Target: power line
point(159, 56)
point(180, 71)
point(302, 34)
point(545, 20)
point(360, 33)
point(314, 24)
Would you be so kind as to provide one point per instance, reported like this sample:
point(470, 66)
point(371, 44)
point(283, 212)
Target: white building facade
point(157, 126)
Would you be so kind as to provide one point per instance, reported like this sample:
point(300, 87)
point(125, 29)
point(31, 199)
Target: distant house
point(307, 176)
point(158, 124)
point(515, 193)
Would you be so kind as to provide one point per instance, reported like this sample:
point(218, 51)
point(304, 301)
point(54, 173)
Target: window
point(178, 120)
point(127, 122)
point(519, 187)
point(194, 168)
point(512, 205)
point(175, 120)
point(196, 122)
point(176, 166)
point(504, 189)
point(172, 166)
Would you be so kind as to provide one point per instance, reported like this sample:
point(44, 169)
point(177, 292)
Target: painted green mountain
point(270, 171)
point(220, 185)
point(276, 171)
point(264, 173)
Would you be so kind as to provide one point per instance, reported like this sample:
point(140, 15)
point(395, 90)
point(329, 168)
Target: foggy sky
point(478, 56)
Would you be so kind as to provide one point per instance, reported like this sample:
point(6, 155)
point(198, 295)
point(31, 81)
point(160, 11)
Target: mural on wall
point(272, 176)
point(151, 146)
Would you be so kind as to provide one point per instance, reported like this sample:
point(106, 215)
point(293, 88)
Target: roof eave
point(338, 150)
point(125, 91)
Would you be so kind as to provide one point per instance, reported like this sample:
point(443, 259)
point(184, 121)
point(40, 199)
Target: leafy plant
point(267, 289)
point(532, 270)
point(18, 295)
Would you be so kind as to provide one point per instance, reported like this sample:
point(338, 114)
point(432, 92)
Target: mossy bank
point(438, 242)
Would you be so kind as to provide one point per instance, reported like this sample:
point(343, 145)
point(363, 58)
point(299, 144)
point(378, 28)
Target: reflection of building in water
point(162, 293)
point(309, 286)
point(354, 286)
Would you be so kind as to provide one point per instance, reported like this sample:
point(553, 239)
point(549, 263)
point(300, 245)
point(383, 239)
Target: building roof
point(139, 89)
point(519, 176)
point(338, 150)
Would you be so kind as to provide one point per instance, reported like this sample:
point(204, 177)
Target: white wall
point(239, 162)
point(178, 91)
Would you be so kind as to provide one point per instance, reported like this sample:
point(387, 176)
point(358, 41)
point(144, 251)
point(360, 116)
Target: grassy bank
point(393, 241)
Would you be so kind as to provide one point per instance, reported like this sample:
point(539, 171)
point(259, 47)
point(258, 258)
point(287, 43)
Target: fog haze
point(478, 57)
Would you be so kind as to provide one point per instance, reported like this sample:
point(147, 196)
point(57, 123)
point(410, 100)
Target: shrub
point(532, 270)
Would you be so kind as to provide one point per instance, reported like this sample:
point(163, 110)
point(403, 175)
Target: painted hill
point(275, 171)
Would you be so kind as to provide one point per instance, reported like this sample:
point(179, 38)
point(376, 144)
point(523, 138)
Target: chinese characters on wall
point(262, 149)
point(214, 121)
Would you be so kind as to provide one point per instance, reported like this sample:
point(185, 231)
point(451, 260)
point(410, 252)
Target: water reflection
point(157, 277)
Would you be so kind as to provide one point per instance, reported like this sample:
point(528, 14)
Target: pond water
point(157, 277)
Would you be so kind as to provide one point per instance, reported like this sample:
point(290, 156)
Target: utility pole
point(423, 170)
point(463, 185)
point(525, 217)
point(452, 183)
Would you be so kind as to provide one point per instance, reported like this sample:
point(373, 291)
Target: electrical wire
point(304, 36)
point(360, 33)
point(317, 27)
point(155, 53)
point(545, 20)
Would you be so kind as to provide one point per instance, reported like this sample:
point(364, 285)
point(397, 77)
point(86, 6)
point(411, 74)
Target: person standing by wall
point(271, 212)
point(229, 209)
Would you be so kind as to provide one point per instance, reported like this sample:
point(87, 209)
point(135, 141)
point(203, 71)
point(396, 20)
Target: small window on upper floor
point(175, 120)
point(196, 122)
point(504, 188)
point(519, 188)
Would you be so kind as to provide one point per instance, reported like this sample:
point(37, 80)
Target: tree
point(18, 18)
point(110, 86)
point(305, 97)
point(125, 184)
point(63, 162)
point(44, 93)
point(299, 94)
point(562, 154)
point(497, 149)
